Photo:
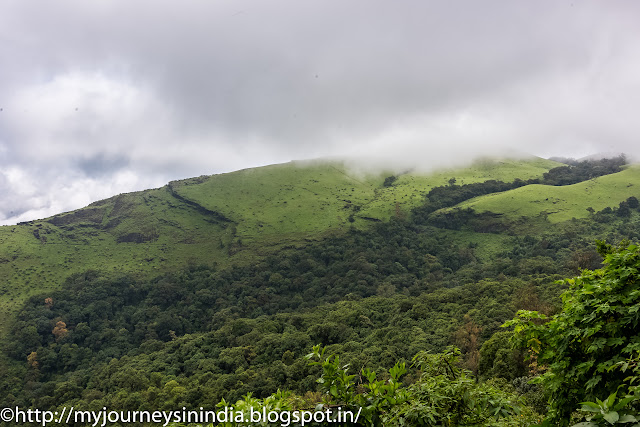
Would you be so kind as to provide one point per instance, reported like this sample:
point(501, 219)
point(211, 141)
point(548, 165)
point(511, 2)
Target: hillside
point(219, 219)
point(561, 203)
point(299, 199)
point(217, 287)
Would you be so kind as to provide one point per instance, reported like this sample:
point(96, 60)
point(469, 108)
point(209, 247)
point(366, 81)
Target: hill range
point(235, 218)
point(214, 289)
point(222, 219)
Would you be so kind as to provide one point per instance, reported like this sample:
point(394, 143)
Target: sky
point(103, 97)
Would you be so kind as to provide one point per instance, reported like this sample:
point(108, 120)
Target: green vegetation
point(220, 289)
point(443, 393)
point(139, 233)
point(226, 219)
point(557, 204)
point(589, 346)
point(409, 190)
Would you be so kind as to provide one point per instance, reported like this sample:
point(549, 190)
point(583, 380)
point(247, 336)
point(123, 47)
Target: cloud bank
point(99, 98)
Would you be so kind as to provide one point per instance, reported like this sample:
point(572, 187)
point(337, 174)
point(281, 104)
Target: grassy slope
point(410, 189)
point(287, 200)
point(561, 203)
point(283, 202)
point(39, 255)
point(223, 218)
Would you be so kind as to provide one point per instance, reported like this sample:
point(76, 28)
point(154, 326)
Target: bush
point(583, 349)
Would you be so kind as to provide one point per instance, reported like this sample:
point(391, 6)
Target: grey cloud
point(166, 90)
point(101, 164)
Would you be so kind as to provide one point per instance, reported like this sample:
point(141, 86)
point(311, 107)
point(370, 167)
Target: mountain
point(225, 219)
point(217, 287)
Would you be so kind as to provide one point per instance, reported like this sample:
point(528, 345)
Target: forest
point(405, 320)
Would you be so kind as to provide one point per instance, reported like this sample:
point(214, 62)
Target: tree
point(60, 331)
point(623, 210)
point(584, 346)
point(32, 360)
point(498, 359)
point(467, 338)
point(388, 181)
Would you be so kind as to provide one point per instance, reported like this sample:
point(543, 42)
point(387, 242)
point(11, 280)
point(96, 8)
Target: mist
point(102, 98)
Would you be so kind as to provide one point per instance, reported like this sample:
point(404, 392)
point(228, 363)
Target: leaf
point(627, 419)
point(334, 391)
point(590, 407)
point(611, 399)
point(615, 341)
point(593, 382)
point(612, 417)
point(624, 402)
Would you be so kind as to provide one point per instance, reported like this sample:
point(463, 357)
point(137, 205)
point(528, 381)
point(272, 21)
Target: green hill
point(300, 198)
point(219, 219)
point(215, 287)
point(562, 203)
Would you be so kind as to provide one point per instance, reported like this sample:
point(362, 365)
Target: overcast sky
point(102, 97)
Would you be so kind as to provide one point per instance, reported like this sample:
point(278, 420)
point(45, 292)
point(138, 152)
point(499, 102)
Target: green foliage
point(615, 410)
point(225, 219)
point(498, 359)
point(584, 346)
point(375, 297)
point(611, 411)
point(377, 396)
point(334, 379)
point(281, 401)
point(581, 171)
point(452, 194)
point(443, 395)
point(447, 395)
point(259, 289)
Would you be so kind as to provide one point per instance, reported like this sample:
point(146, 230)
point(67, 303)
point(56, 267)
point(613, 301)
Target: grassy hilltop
point(562, 203)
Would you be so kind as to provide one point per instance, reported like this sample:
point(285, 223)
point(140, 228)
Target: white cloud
point(104, 97)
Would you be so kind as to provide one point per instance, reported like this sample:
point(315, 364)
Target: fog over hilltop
point(98, 98)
